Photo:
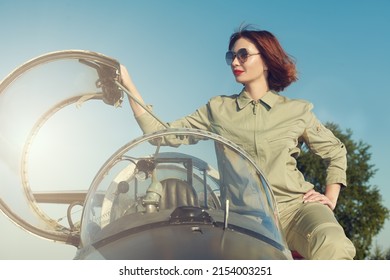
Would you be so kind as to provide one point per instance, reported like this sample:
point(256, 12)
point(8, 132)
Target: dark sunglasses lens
point(242, 55)
point(229, 57)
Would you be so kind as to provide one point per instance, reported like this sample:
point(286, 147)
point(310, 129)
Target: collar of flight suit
point(268, 100)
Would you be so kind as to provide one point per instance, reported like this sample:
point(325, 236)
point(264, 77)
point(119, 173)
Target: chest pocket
point(240, 135)
point(287, 140)
point(286, 146)
point(283, 151)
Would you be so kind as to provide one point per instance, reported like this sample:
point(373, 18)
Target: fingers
point(314, 196)
point(311, 196)
point(309, 193)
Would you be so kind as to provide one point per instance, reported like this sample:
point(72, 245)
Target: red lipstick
point(237, 72)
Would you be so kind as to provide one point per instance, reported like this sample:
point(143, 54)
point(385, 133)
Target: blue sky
point(175, 50)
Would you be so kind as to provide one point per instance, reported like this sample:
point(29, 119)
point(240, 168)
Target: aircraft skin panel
point(185, 242)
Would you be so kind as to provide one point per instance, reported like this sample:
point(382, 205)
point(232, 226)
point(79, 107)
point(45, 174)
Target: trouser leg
point(314, 232)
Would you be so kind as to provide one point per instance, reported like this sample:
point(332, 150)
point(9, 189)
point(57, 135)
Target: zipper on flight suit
point(255, 108)
point(255, 104)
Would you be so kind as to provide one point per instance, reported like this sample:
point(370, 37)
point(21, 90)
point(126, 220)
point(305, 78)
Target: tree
point(359, 208)
point(377, 253)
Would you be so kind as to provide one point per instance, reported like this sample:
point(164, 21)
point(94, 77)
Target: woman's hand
point(329, 198)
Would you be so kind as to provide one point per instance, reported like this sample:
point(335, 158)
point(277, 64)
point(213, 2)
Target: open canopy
point(60, 118)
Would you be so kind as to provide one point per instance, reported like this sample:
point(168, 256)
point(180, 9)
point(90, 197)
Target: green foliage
point(378, 254)
point(359, 208)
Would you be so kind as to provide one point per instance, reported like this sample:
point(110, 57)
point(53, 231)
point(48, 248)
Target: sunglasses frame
point(242, 55)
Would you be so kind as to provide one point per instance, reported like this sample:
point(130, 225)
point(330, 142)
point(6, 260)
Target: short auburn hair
point(281, 67)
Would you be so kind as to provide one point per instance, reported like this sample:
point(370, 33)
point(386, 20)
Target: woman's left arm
point(322, 142)
point(332, 193)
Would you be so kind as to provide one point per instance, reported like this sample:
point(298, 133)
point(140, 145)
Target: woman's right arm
point(127, 82)
point(149, 123)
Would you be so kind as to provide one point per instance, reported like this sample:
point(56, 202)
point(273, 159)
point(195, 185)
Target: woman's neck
point(256, 91)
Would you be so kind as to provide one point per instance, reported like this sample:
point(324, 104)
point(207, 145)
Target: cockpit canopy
point(148, 182)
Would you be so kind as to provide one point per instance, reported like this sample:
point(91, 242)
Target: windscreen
point(145, 182)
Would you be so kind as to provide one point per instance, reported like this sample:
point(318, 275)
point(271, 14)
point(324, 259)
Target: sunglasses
point(242, 56)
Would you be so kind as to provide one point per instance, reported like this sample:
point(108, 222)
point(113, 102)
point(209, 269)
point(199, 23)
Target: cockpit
point(146, 185)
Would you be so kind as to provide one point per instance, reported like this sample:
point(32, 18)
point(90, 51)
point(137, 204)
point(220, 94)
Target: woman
point(271, 128)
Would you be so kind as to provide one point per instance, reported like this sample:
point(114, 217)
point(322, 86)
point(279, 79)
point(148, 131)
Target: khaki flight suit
point(271, 130)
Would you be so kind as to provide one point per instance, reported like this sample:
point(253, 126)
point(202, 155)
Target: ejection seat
point(176, 193)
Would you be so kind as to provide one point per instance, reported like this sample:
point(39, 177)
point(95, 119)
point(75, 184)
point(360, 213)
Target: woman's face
point(253, 69)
